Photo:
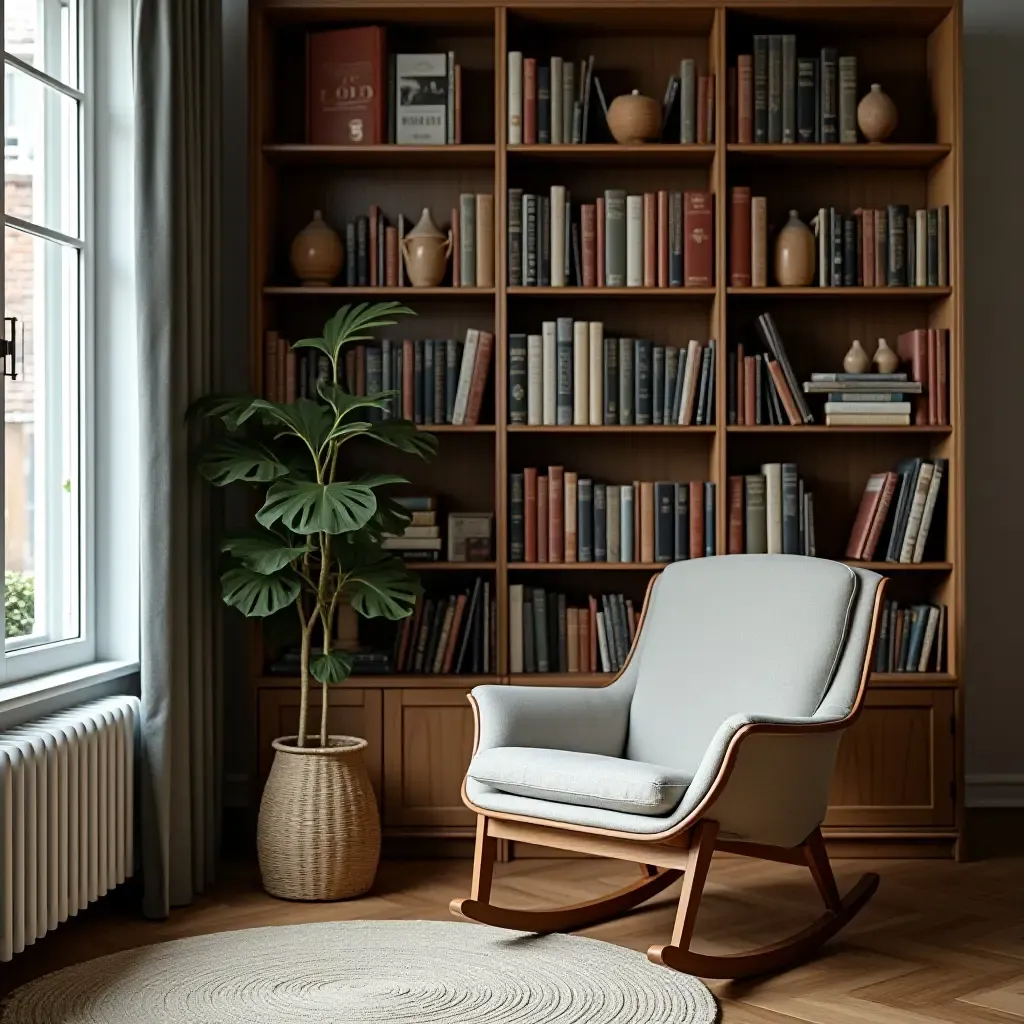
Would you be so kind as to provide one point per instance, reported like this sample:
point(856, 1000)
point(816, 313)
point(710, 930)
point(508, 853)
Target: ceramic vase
point(885, 360)
point(794, 254)
point(426, 249)
point(317, 253)
point(876, 115)
point(633, 119)
point(856, 360)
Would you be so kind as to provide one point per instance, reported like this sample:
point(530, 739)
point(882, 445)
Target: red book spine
point(391, 257)
point(662, 239)
point(529, 101)
point(478, 382)
point(741, 392)
point(867, 512)
point(912, 348)
point(650, 240)
point(530, 513)
point(696, 518)
point(542, 519)
point(745, 99)
point(731, 106)
point(702, 110)
point(750, 390)
point(932, 385)
point(600, 243)
point(942, 376)
point(456, 247)
point(868, 248)
point(408, 380)
point(345, 93)
point(739, 237)
point(556, 525)
point(698, 240)
point(453, 636)
point(458, 104)
point(881, 513)
point(735, 536)
point(374, 242)
point(588, 223)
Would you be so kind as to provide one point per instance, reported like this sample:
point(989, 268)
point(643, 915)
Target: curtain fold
point(177, 53)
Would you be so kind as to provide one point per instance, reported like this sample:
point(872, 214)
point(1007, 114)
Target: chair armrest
point(589, 720)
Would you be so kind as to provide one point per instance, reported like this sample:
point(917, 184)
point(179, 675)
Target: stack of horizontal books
point(864, 399)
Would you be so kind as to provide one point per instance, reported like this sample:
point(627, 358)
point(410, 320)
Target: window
point(45, 392)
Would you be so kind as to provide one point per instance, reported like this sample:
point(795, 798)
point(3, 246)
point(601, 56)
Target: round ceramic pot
point(794, 254)
point(633, 119)
point(317, 253)
point(426, 250)
point(877, 116)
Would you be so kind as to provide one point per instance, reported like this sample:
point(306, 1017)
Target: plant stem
point(323, 715)
point(304, 684)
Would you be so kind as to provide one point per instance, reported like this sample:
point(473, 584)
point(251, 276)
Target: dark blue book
point(600, 523)
point(664, 521)
point(418, 403)
point(835, 234)
point(362, 252)
point(517, 378)
point(428, 381)
point(515, 237)
point(899, 511)
point(543, 102)
point(611, 381)
point(643, 398)
point(675, 236)
point(709, 519)
point(677, 389)
point(350, 248)
point(626, 370)
point(516, 518)
point(918, 624)
point(658, 384)
point(681, 540)
point(805, 92)
point(440, 373)
point(790, 509)
point(669, 383)
point(531, 261)
point(585, 520)
point(829, 94)
point(563, 356)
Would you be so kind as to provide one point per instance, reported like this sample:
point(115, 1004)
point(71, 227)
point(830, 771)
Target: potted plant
point(316, 544)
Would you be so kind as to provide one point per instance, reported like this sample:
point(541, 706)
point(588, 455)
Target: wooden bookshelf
point(898, 782)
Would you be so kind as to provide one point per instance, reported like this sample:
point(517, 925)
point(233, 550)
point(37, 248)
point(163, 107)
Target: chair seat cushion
point(587, 780)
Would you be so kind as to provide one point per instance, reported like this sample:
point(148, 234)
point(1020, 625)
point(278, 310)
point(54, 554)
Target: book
point(555, 86)
point(543, 103)
point(421, 110)
point(580, 372)
point(557, 235)
point(515, 98)
point(345, 90)
point(698, 244)
point(829, 95)
point(774, 88)
point(760, 68)
point(467, 240)
point(529, 102)
point(789, 89)
point(549, 363)
point(772, 473)
point(615, 238)
point(847, 100)
point(484, 242)
point(759, 242)
point(564, 355)
point(634, 241)
point(687, 101)
point(518, 369)
point(739, 236)
point(745, 99)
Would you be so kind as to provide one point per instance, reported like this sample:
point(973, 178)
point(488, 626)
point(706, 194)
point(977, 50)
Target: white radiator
point(66, 798)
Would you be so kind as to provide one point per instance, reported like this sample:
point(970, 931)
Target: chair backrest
point(756, 635)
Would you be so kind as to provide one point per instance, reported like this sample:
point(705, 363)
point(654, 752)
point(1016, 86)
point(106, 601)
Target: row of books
point(450, 633)
point(658, 239)
point(898, 513)
point(572, 374)
point(911, 638)
point(775, 96)
point(346, 103)
point(289, 374)
point(865, 399)
point(373, 246)
point(925, 352)
point(561, 517)
point(770, 513)
point(469, 534)
point(550, 101)
point(883, 248)
point(547, 634)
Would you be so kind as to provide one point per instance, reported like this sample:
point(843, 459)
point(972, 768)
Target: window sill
point(55, 684)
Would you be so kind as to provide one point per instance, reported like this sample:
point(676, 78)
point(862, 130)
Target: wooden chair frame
point(684, 850)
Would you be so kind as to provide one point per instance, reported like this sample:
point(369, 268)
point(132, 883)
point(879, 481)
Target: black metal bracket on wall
point(10, 347)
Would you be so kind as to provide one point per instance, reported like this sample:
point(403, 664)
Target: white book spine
point(465, 376)
point(602, 643)
point(612, 518)
point(634, 241)
point(869, 408)
point(515, 628)
point(549, 351)
point(534, 380)
point(929, 511)
point(930, 629)
point(626, 524)
point(558, 236)
point(772, 472)
point(924, 479)
point(689, 375)
point(596, 373)
point(515, 98)
point(580, 373)
point(556, 101)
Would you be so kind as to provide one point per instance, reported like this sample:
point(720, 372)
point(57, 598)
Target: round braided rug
point(365, 972)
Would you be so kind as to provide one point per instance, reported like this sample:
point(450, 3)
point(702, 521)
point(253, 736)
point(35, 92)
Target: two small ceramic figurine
point(856, 360)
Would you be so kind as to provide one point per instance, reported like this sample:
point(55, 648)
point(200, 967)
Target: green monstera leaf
point(228, 460)
point(405, 436)
point(343, 403)
point(304, 418)
point(304, 506)
point(331, 668)
point(257, 595)
point(382, 589)
point(264, 553)
point(351, 323)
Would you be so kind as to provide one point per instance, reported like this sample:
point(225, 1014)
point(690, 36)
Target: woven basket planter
point(318, 835)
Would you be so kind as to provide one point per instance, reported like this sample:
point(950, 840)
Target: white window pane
point(41, 148)
point(44, 33)
point(42, 443)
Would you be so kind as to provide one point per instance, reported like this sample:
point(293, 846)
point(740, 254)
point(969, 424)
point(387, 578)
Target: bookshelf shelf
point(481, 155)
point(420, 725)
point(840, 293)
point(613, 155)
point(883, 155)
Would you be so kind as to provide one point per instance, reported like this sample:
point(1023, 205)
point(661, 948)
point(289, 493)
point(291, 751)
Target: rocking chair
point(719, 733)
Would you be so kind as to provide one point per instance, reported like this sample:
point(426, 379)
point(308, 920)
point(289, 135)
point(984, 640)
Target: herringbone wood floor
point(940, 941)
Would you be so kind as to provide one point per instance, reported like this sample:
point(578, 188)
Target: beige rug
point(367, 972)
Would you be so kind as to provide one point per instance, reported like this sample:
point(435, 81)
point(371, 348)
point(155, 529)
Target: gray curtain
point(177, 110)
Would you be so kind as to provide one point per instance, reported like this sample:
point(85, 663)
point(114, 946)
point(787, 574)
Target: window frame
point(26, 658)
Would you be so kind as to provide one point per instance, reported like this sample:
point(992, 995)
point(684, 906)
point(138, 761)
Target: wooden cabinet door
point(428, 741)
point(896, 766)
point(354, 712)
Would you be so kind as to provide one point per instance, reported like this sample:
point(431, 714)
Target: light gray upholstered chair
point(720, 732)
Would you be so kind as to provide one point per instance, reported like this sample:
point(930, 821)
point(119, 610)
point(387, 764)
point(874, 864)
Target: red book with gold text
point(698, 240)
point(345, 91)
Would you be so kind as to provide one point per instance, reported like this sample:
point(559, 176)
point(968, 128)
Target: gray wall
point(994, 172)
